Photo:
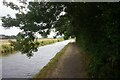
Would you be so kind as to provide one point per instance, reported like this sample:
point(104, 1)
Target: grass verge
point(7, 49)
point(46, 70)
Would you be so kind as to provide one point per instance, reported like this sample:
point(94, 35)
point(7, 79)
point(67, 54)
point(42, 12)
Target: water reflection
point(20, 66)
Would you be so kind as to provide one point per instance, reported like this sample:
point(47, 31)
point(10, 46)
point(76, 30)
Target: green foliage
point(11, 47)
point(6, 49)
point(98, 34)
point(66, 36)
point(25, 43)
point(40, 18)
point(96, 27)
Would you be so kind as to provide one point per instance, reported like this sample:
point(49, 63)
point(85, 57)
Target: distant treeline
point(7, 37)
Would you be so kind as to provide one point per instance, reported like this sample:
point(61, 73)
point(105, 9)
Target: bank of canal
point(20, 66)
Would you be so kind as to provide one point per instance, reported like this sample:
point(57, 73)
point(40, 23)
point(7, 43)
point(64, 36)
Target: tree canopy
point(96, 27)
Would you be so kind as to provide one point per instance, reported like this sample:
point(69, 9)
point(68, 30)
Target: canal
point(20, 66)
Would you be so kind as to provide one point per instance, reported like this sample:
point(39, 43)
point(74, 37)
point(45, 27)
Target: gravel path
point(70, 65)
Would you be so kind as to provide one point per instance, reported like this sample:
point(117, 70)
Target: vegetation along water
point(96, 27)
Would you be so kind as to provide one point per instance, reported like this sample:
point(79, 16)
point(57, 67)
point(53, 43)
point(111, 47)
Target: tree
point(40, 18)
point(95, 26)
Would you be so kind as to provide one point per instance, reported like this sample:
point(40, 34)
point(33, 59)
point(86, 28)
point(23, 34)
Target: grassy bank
point(46, 70)
point(7, 49)
point(43, 42)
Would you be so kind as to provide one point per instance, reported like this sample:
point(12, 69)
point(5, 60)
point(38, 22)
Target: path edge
point(52, 64)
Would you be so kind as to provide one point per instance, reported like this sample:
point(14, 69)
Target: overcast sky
point(3, 12)
point(11, 31)
point(6, 10)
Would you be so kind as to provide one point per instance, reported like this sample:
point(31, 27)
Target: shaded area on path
point(70, 65)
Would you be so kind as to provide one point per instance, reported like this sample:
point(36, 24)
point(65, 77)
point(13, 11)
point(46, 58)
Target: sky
point(12, 31)
point(3, 12)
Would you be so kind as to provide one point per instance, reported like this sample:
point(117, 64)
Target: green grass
point(6, 49)
point(46, 70)
point(49, 41)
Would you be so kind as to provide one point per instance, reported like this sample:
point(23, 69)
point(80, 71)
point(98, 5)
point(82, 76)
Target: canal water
point(20, 66)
